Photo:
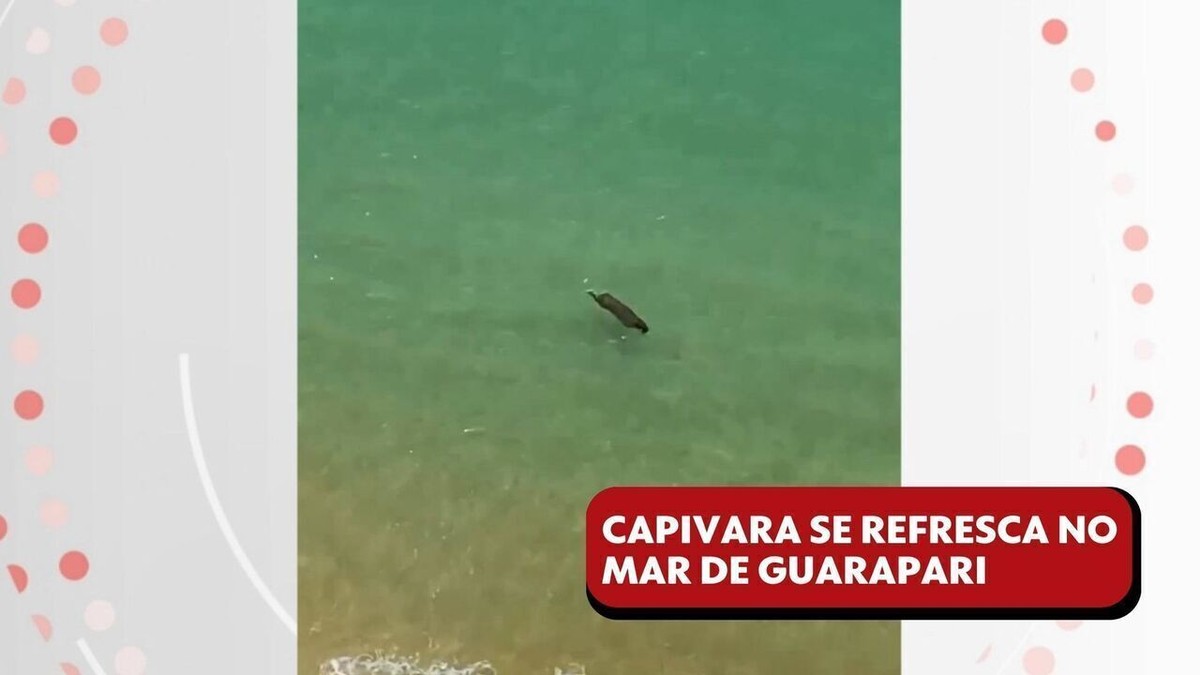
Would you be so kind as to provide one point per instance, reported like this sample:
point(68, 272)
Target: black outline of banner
point(1116, 611)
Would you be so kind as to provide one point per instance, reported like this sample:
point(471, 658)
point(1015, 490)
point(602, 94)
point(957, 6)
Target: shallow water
point(469, 170)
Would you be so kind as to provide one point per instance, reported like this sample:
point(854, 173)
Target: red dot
point(63, 130)
point(73, 565)
point(19, 577)
point(29, 405)
point(1106, 131)
point(1054, 31)
point(1130, 460)
point(3, 528)
point(26, 294)
point(1140, 405)
point(33, 238)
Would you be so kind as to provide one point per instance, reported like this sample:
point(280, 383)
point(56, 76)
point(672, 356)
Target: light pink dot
point(73, 565)
point(130, 661)
point(54, 513)
point(86, 80)
point(45, 184)
point(1143, 294)
point(3, 528)
point(1139, 404)
point(1054, 31)
point(68, 668)
point(1136, 237)
point(1130, 460)
point(1069, 624)
point(1106, 131)
point(1143, 349)
point(1122, 183)
point(24, 349)
point(114, 31)
point(1092, 394)
point(1082, 80)
point(39, 461)
point(14, 91)
point(1038, 661)
point(43, 627)
point(99, 615)
point(38, 42)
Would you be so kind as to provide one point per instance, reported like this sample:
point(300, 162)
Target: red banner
point(863, 553)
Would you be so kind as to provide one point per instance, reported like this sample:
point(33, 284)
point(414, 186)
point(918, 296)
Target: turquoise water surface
point(469, 169)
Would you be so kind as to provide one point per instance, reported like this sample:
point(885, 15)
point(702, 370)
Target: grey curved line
point(185, 387)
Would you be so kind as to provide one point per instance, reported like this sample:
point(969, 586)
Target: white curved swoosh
point(185, 386)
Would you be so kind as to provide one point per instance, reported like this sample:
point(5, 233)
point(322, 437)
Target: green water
point(469, 169)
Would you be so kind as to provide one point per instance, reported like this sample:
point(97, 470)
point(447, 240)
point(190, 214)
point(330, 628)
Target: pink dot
point(1136, 237)
point(54, 513)
point(14, 91)
point(86, 80)
point(24, 349)
point(1069, 624)
point(1092, 394)
point(99, 615)
point(1038, 661)
point(26, 294)
point(3, 528)
point(1140, 405)
point(39, 461)
point(1054, 31)
point(1122, 183)
point(1106, 131)
point(1131, 460)
point(19, 576)
point(29, 405)
point(1143, 349)
point(130, 661)
point(1143, 294)
point(45, 184)
point(69, 669)
point(43, 627)
point(63, 130)
point(113, 32)
point(1082, 80)
point(32, 238)
point(73, 565)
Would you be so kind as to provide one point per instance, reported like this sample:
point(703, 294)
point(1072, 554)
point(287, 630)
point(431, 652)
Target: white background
point(1017, 292)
